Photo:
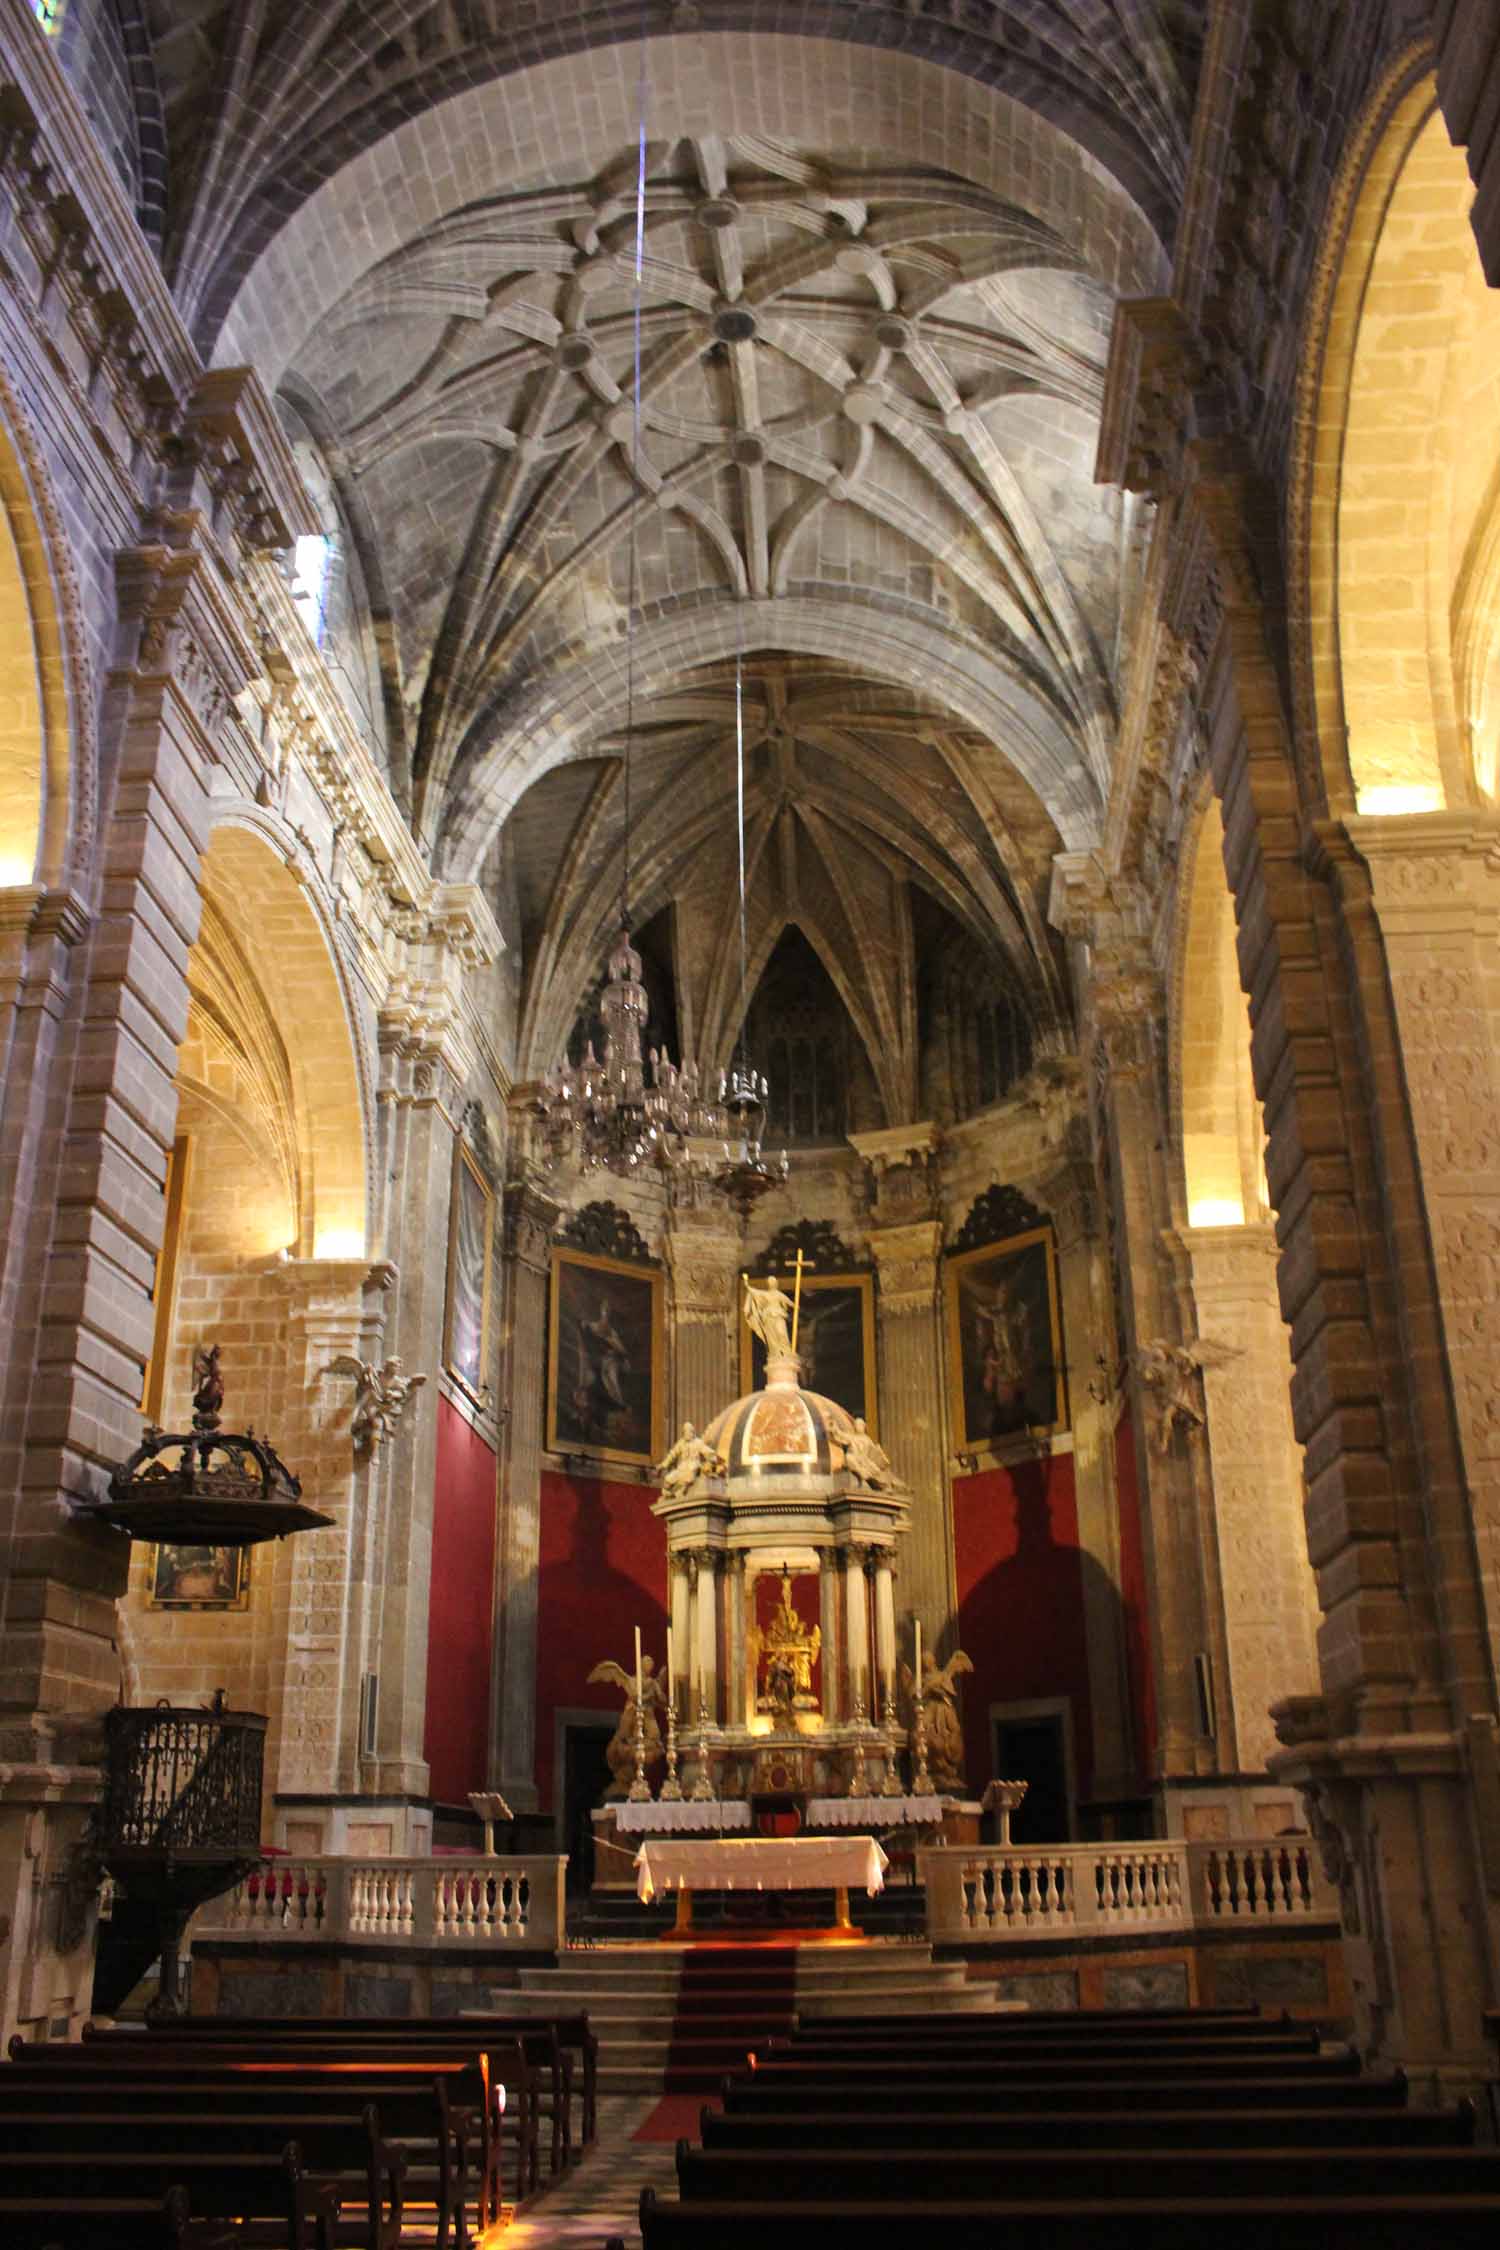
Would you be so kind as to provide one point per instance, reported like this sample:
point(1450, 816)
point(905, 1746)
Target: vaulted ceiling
point(879, 258)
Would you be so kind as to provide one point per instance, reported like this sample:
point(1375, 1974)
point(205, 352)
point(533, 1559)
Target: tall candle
point(671, 1669)
point(918, 1623)
point(640, 1684)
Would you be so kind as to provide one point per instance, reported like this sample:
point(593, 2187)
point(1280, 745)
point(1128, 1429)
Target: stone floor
point(599, 2196)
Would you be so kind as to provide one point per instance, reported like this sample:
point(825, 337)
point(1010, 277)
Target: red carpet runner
point(729, 1998)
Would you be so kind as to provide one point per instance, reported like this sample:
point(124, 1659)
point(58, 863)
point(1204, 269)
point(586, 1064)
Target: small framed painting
point(835, 1342)
point(606, 1353)
point(1005, 1355)
point(471, 1234)
point(184, 1577)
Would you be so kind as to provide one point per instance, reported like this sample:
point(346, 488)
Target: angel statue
point(380, 1398)
point(867, 1460)
point(768, 1312)
point(621, 1751)
point(691, 1457)
point(1172, 1372)
point(945, 1742)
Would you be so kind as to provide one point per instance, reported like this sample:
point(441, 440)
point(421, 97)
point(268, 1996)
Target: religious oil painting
point(184, 1577)
point(1005, 1341)
point(605, 1358)
point(471, 1229)
point(835, 1342)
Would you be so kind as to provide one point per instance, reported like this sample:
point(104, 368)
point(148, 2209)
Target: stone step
point(905, 2000)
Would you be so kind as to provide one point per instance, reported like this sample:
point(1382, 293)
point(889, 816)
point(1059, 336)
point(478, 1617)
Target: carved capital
point(528, 1217)
point(906, 1264)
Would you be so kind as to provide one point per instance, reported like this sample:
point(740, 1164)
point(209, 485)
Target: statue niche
point(786, 1651)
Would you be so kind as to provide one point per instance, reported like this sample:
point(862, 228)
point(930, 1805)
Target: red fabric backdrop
point(459, 1613)
point(1020, 1601)
point(603, 1571)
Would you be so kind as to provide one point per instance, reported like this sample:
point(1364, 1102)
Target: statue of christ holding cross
point(771, 1314)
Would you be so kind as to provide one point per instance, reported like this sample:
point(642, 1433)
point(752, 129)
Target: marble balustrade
point(448, 1900)
point(1011, 1892)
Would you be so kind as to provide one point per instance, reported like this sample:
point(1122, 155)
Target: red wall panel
point(459, 1613)
point(1020, 1601)
point(603, 1571)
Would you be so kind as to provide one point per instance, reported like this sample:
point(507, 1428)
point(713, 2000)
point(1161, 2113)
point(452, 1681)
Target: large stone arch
point(1395, 591)
point(1216, 1118)
point(557, 717)
point(277, 920)
point(47, 742)
point(803, 92)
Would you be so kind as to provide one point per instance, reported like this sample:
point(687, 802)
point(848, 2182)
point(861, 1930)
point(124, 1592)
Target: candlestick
point(671, 1789)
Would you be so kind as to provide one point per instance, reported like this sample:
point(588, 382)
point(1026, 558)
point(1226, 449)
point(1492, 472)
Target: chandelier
point(628, 1111)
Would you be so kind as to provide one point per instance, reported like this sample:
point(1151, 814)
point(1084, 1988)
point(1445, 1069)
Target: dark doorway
point(1034, 1750)
point(585, 1778)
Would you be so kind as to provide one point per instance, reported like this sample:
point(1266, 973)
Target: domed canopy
point(782, 1430)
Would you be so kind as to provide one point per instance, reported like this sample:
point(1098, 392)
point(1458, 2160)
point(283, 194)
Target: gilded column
point(857, 1625)
point(706, 1634)
point(884, 1559)
point(682, 1645)
point(828, 1626)
point(739, 1703)
point(529, 1218)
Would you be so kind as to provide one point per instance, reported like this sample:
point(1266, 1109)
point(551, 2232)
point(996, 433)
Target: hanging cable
point(633, 587)
point(739, 810)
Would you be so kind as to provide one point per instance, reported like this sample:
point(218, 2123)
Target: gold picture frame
point(606, 1358)
point(842, 1365)
point(466, 1313)
point(1006, 1373)
point(185, 1577)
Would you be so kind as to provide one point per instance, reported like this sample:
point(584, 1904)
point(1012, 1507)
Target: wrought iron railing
point(183, 1783)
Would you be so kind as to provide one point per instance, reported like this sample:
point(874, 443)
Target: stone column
point(529, 1217)
point(706, 1633)
point(704, 1264)
point(884, 1559)
point(425, 1062)
point(913, 1412)
point(828, 1626)
point(1088, 1325)
point(857, 1625)
point(1270, 1595)
point(329, 1582)
point(1130, 1135)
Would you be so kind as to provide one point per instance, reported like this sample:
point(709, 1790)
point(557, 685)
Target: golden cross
point(797, 1299)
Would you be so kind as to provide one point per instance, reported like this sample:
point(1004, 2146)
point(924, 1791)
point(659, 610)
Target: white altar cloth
point(761, 1863)
point(686, 1818)
point(873, 1812)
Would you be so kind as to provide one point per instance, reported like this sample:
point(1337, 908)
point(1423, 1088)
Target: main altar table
point(759, 1863)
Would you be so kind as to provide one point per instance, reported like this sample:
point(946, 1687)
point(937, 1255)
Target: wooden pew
point(771, 2091)
point(1119, 2175)
point(1066, 2023)
point(331, 2043)
point(345, 2151)
point(476, 2077)
point(816, 2073)
point(572, 2029)
point(148, 2197)
point(1001, 2128)
point(819, 2046)
point(1354, 2222)
point(437, 2114)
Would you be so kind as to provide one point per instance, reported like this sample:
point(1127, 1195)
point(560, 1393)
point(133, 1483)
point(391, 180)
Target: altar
point(784, 1705)
point(760, 1863)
